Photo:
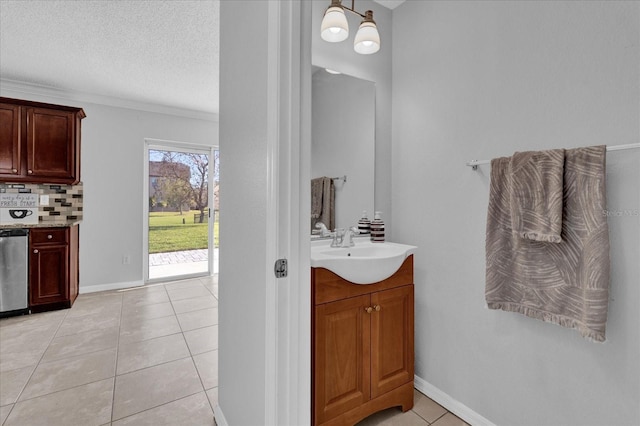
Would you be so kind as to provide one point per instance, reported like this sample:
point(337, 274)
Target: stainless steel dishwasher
point(13, 272)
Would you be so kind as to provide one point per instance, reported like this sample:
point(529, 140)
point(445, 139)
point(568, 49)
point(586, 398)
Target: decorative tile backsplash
point(65, 201)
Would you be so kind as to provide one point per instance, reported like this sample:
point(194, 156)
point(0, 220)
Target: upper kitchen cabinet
point(39, 143)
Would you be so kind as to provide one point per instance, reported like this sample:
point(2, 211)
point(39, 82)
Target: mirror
point(343, 142)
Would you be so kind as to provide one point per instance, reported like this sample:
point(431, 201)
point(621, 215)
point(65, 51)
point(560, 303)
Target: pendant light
point(334, 23)
point(335, 28)
point(367, 39)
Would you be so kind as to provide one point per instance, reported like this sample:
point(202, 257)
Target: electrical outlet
point(126, 260)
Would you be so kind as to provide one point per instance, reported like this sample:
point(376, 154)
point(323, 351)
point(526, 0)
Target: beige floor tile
point(135, 313)
point(193, 410)
point(15, 360)
point(11, 384)
point(92, 322)
point(147, 353)
point(207, 366)
point(70, 372)
point(202, 339)
point(194, 304)
point(154, 386)
point(4, 412)
point(81, 343)
point(190, 283)
point(198, 319)
point(212, 394)
point(450, 419)
point(145, 297)
point(426, 408)
point(148, 329)
point(105, 305)
point(188, 293)
point(394, 417)
point(46, 318)
point(84, 405)
point(23, 339)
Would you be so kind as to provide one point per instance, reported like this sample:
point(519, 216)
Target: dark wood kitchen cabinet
point(362, 346)
point(39, 143)
point(53, 268)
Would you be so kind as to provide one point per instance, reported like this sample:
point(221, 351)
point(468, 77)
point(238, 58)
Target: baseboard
point(450, 403)
point(106, 287)
point(219, 416)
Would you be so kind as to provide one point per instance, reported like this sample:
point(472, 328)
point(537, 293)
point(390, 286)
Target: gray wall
point(478, 80)
point(112, 156)
point(376, 68)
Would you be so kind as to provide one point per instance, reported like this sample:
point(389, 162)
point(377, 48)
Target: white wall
point(478, 80)
point(243, 204)
point(376, 68)
point(112, 156)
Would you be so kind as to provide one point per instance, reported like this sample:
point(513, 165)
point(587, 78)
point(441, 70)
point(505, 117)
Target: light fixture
point(335, 28)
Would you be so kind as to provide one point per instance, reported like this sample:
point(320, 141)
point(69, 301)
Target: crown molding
point(52, 92)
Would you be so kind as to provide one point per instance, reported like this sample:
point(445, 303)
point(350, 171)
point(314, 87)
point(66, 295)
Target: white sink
point(365, 263)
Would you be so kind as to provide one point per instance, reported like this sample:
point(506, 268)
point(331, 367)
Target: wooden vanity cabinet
point(362, 346)
point(53, 268)
point(39, 143)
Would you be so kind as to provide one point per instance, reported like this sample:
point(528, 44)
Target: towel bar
point(475, 163)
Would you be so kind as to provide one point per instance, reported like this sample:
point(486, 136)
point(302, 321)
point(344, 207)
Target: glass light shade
point(367, 39)
point(334, 25)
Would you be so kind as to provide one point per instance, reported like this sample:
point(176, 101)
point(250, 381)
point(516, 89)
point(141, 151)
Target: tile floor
point(146, 356)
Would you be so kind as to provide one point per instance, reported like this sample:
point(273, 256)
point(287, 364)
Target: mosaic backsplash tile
point(65, 201)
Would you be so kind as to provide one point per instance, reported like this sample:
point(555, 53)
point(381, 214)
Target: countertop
point(41, 225)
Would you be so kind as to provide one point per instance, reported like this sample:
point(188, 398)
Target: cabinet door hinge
point(280, 268)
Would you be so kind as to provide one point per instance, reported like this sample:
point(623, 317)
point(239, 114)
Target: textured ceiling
point(155, 51)
point(159, 52)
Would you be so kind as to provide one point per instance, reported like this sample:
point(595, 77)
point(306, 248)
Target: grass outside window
point(168, 233)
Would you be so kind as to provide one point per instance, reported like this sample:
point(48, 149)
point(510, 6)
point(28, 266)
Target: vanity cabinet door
point(391, 339)
point(341, 357)
point(9, 141)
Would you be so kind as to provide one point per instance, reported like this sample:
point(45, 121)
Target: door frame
point(169, 145)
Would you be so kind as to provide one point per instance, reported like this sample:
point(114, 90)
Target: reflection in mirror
point(342, 145)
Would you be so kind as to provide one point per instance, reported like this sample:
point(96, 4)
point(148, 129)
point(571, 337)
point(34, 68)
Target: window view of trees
point(178, 181)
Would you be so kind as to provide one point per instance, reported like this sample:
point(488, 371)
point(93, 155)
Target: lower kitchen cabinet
point(363, 349)
point(53, 268)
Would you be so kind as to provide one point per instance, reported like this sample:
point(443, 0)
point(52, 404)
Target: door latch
point(280, 268)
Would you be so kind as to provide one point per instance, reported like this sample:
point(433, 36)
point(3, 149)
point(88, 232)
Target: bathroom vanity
point(362, 341)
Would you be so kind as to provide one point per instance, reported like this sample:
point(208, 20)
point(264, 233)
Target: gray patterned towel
point(536, 194)
point(565, 283)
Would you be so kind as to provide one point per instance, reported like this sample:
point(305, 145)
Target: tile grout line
point(115, 367)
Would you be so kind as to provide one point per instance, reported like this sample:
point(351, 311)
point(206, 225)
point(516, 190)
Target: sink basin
point(365, 263)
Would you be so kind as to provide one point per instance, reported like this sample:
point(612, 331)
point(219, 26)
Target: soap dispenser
point(364, 224)
point(377, 228)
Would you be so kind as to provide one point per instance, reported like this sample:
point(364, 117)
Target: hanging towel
point(323, 202)
point(536, 194)
point(565, 283)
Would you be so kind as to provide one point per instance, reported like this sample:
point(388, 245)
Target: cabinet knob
point(14, 170)
point(30, 172)
point(35, 251)
point(376, 307)
point(368, 309)
point(49, 236)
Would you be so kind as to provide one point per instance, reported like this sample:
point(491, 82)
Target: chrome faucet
point(347, 237)
point(323, 229)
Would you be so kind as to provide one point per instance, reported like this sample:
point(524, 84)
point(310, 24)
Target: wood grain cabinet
point(362, 354)
point(39, 143)
point(53, 268)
